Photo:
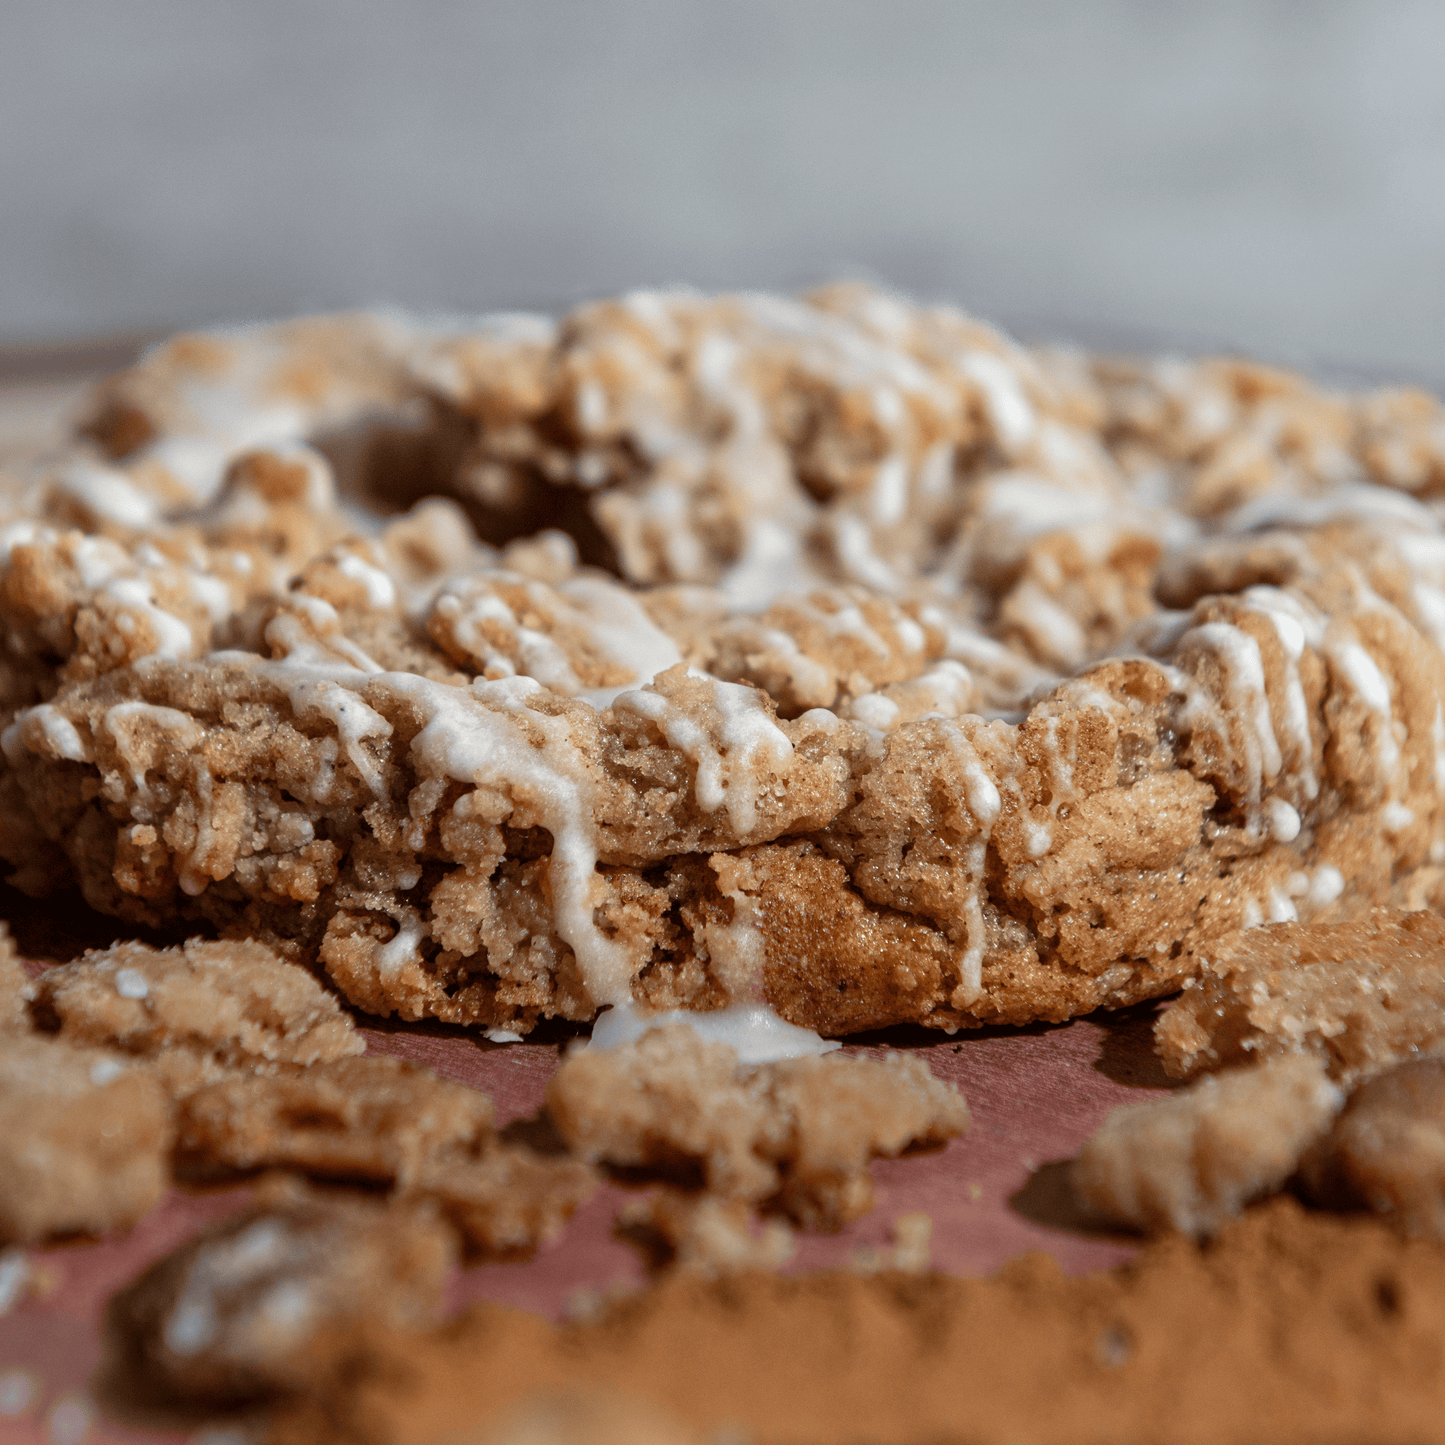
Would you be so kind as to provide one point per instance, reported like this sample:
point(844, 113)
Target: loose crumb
point(1359, 995)
point(251, 1307)
point(85, 1140)
point(1386, 1151)
point(1193, 1160)
point(794, 1137)
point(199, 1011)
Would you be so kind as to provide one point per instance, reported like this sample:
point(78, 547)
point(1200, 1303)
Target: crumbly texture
point(1360, 996)
point(836, 653)
point(199, 1012)
point(794, 1137)
point(1386, 1151)
point(1192, 1161)
point(373, 1119)
point(84, 1141)
point(390, 1122)
point(243, 1310)
point(1291, 1327)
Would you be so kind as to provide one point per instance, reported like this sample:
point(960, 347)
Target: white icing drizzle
point(487, 736)
point(1061, 768)
point(1326, 885)
point(1354, 665)
point(1284, 820)
point(623, 632)
point(1009, 411)
point(120, 722)
point(59, 733)
point(109, 494)
point(353, 720)
point(614, 621)
point(193, 1324)
point(753, 1031)
point(732, 752)
point(984, 803)
point(540, 657)
point(1296, 625)
point(401, 949)
point(873, 710)
point(380, 590)
point(1244, 698)
point(808, 677)
point(1281, 908)
point(130, 984)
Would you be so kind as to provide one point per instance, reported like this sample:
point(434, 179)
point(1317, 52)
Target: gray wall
point(1268, 175)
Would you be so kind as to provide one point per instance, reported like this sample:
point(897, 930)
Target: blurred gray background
point(1267, 176)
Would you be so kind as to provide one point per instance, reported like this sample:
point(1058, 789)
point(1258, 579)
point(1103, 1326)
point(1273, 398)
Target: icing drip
point(753, 1031)
point(487, 736)
point(1245, 699)
point(739, 745)
point(985, 804)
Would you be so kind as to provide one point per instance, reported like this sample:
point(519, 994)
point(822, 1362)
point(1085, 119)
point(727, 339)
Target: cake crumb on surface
point(85, 1140)
point(705, 1234)
point(1191, 1161)
point(376, 1119)
point(381, 1120)
point(794, 1137)
point(1386, 1151)
point(257, 1305)
point(199, 1011)
point(1360, 995)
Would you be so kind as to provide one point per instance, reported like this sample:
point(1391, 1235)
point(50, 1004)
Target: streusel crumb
point(199, 1011)
point(705, 1234)
point(1192, 1161)
point(794, 1137)
point(1387, 1149)
point(85, 1140)
point(251, 1307)
point(1359, 995)
point(507, 1200)
point(386, 1121)
point(377, 1119)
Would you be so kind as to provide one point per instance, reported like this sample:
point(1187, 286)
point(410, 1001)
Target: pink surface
point(1035, 1095)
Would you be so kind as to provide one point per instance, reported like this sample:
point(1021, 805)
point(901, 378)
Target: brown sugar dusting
point(1292, 1326)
